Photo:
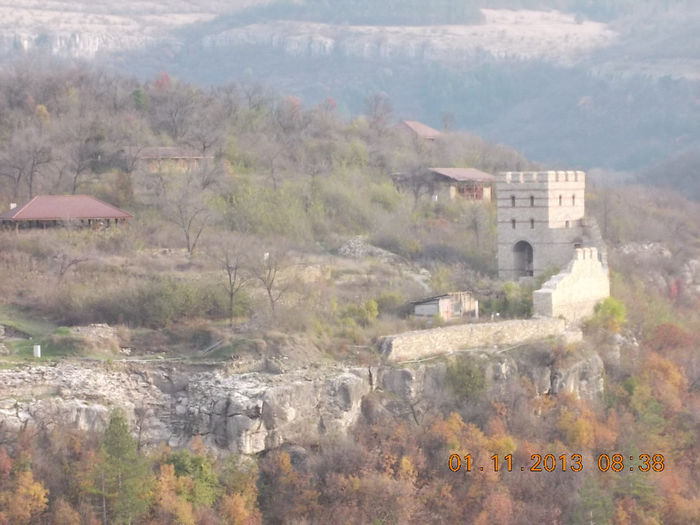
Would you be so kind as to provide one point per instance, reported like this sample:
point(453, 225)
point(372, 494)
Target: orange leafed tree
point(26, 500)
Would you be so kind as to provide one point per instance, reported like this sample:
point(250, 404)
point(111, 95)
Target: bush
point(465, 378)
point(363, 314)
point(386, 196)
point(609, 315)
point(668, 336)
point(153, 303)
point(61, 344)
point(514, 300)
point(390, 302)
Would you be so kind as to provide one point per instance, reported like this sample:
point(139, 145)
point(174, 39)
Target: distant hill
point(595, 84)
point(680, 172)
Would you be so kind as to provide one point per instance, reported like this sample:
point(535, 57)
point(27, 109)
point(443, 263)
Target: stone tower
point(540, 220)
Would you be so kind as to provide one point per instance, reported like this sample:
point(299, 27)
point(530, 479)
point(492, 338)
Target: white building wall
point(573, 293)
point(426, 309)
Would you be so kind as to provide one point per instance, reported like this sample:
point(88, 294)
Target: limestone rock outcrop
point(252, 412)
point(243, 413)
point(420, 389)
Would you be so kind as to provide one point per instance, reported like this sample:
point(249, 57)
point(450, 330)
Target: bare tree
point(233, 261)
point(22, 159)
point(204, 128)
point(379, 111)
point(186, 204)
point(418, 181)
point(192, 216)
point(172, 108)
point(268, 273)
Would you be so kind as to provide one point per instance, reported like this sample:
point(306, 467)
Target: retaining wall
point(423, 343)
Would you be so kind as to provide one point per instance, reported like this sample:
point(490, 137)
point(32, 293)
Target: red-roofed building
point(421, 130)
point(51, 210)
point(468, 183)
point(446, 184)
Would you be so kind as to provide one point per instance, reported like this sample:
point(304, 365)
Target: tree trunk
point(104, 501)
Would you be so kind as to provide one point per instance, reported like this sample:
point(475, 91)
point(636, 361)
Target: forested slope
point(280, 191)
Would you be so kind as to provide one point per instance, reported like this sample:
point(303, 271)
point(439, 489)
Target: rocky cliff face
point(524, 35)
point(243, 413)
point(418, 390)
point(248, 413)
point(81, 30)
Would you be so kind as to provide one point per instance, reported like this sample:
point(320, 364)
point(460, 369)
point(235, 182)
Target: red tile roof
point(464, 174)
point(422, 130)
point(64, 207)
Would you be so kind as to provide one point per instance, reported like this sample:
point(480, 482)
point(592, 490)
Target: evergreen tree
point(121, 479)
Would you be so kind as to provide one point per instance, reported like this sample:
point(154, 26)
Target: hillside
point(214, 360)
point(593, 84)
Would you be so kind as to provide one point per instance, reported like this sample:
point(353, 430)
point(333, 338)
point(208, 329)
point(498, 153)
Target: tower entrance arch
point(523, 258)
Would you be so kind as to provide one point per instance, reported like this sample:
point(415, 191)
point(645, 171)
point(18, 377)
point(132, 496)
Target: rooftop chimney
point(13, 205)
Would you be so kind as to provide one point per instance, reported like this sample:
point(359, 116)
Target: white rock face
point(83, 29)
point(419, 390)
point(240, 413)
point(504, 34)
point(249, 413)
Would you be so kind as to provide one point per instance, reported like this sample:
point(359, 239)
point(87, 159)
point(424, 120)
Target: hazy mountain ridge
point(592, 85)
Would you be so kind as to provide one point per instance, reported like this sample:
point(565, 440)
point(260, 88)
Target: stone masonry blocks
point(423, 343)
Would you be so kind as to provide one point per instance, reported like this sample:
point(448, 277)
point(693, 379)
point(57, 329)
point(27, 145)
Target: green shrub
point(390, 302)
point(465, 378)
point(609, 315)
point(61, 344)
point(363, 314)
point(385, 195)
point(154, 302)
point(205, 487)
point(514, 300)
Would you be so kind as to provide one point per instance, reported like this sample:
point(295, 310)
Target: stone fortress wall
point(542, 211)
point(423, 343)
point(573, 293)
point(542, 224)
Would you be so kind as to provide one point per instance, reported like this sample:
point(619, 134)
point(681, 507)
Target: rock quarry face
point(249, 413)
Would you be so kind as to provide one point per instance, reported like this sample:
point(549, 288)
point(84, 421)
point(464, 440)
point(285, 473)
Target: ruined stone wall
point(573, 293)
point(423, 343)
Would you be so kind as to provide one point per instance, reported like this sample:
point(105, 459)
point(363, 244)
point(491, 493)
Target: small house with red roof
point(53, 210)
point(420, 130)
point(467, 183)
point(447, 184)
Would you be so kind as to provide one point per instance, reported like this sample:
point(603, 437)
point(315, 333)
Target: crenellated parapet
point(540, 220)
point(584, 254)
point(574, 292)
point(540, 177)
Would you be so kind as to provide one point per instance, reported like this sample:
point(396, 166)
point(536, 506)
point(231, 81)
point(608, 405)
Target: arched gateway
point(540, 219)
point(523, 257)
